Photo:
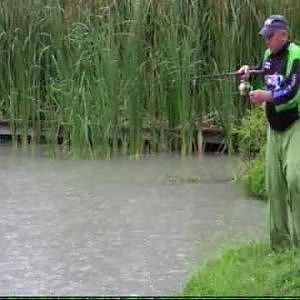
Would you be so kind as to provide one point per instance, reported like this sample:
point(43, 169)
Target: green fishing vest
point(293, 54)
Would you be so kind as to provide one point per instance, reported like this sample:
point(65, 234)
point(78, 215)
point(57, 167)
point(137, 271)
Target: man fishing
point(281, 95)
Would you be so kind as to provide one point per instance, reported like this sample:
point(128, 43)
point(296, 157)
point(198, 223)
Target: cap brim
point(266, 32)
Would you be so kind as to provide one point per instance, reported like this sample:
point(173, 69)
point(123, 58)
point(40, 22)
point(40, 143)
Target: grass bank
point(251, 270)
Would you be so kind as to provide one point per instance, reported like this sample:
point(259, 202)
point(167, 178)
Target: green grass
point(251, 270)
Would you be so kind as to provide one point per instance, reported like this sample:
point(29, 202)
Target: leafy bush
point(252, 139)
point(254, 178)
point(252, 133)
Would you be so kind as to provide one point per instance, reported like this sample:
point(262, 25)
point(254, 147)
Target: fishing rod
point(231, 74)
point(244, 86)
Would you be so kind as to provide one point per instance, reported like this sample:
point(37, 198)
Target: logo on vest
point(267, 65)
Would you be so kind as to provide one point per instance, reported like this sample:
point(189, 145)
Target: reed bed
point(103, 77)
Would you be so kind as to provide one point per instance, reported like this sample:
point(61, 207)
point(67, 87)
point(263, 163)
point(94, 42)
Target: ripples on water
point(116, 227)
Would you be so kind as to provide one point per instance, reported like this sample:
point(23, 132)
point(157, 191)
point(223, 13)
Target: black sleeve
point(290, 89)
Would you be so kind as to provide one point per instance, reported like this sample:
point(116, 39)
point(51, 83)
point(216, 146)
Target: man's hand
point(244, 71)
point(260, 96)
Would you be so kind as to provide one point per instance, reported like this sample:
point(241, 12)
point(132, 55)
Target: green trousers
point(283, 186)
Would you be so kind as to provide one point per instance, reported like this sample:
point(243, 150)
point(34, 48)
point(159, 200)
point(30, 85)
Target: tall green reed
point(110, 75)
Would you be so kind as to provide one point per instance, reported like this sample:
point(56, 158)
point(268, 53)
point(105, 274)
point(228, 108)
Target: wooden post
point(200, 145)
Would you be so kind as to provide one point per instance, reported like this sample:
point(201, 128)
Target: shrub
point(252, 139)
point(254, 177)
point(252, 133)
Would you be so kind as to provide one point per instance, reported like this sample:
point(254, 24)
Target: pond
point(117, 227)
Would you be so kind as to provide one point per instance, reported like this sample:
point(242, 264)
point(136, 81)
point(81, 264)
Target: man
point(281, 96)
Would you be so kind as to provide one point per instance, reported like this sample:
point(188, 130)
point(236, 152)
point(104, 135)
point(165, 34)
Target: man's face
point(276, 41)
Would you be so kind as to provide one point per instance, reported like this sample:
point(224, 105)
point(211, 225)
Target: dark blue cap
point(273, 23)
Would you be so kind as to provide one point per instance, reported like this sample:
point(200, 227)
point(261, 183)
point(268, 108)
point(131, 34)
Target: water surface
point(118, 227)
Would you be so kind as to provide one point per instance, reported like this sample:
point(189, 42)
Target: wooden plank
point(5, 130)
point(207, 135)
